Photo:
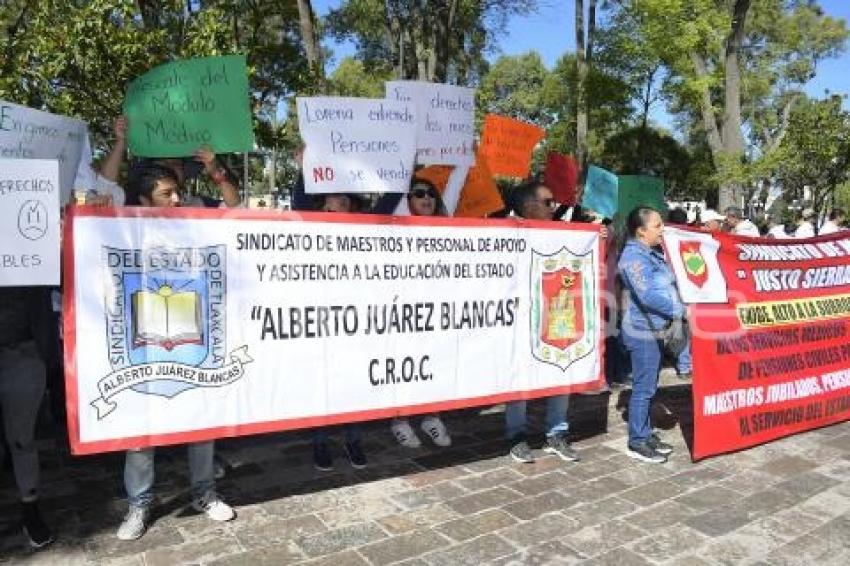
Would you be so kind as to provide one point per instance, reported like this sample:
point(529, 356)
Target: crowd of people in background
point(789, 227)
point(637, 274)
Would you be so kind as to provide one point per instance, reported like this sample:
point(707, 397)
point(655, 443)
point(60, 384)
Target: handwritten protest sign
point(29, 222)
point(31, 134)
point(445, 120)
point(600, 192)
point(357, 144)
point(178, 107)
point(507, 145)
point(216, 323)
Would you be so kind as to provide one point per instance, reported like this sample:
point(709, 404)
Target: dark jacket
point(26, 314)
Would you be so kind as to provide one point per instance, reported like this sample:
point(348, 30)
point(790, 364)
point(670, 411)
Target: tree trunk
point(311, 43)
point(581, 67)
point(443, 39)
point(731, 132)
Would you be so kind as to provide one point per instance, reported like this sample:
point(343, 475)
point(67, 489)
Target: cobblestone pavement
point(787, 502)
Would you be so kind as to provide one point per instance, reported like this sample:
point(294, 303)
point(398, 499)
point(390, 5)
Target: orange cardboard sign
point(507, 145)
point(479, 196)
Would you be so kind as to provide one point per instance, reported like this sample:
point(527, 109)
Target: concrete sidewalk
point(787, 502)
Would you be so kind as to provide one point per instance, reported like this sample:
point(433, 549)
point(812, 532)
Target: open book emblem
point(167, 318)
point(563, 300)
point(166, 323)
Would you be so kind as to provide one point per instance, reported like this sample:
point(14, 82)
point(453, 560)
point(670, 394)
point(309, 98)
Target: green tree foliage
point(815, 152)
point(431, 40)
point(734, 66)
point(351, 78)
point(76, 57)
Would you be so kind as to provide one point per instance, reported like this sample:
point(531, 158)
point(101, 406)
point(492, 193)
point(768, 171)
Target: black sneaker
point(355, 454)
point(34, 528)
point(560, 447)
point(646, 453)
point(659, 445)
point(322, 459)
point(520, 451)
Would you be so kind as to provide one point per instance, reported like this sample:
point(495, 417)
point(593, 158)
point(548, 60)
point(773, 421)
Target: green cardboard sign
point(178, 107)
point(639, 190)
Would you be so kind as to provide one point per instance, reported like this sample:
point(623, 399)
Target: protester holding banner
point(187, 169)
point(25, 340)
point(534, 201)
point(157, 186)
point(105, 189)
point(739, 224)
point(423, 200)
point(652, 303)
point(322, 457)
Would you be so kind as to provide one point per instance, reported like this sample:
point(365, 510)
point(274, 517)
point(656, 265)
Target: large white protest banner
point(356, 145)
point(26, 133)
point(198, 324)
point(446, 120)
point(29, 222)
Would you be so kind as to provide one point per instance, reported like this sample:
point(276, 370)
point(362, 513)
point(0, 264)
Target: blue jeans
point(645, 352)
point(139, 473)
point(684, 364)
point(353, 433)
point(556, 416)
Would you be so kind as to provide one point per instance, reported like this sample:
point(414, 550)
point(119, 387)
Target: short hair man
point(738, 223)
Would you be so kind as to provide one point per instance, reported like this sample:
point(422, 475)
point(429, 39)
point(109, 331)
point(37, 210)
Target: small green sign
point(178, 107)
point(639, 190)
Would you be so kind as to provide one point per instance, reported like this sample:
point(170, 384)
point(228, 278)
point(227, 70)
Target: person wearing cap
point(738, 223)
point(712, 220)
point(805, 228)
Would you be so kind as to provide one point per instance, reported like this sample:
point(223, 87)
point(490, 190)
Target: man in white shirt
point(805, 228)
point(835, 222)
point(738, 224)
point(712, 220)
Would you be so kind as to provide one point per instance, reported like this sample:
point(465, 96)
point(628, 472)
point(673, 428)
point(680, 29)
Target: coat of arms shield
point(563, 306)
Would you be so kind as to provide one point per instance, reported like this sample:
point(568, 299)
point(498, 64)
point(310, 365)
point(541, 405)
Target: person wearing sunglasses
point(423, 199)
point(534, 201)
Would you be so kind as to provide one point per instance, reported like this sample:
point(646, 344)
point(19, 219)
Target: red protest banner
point(507, 145)
point(561, 176)
point(770, 350)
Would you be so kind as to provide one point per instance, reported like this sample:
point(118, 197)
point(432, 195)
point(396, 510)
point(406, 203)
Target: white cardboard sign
point(446, 125)
point(29, 222)
point(26, 133)
point(357, 145)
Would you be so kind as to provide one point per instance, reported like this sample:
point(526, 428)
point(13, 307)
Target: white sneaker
point(434, 427)
point(135, 523)
point(215, 508)
point(405, 434)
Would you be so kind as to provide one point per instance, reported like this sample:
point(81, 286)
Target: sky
point(551, 32)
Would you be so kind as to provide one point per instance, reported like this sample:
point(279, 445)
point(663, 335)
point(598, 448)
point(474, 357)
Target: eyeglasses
point(422, 193)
